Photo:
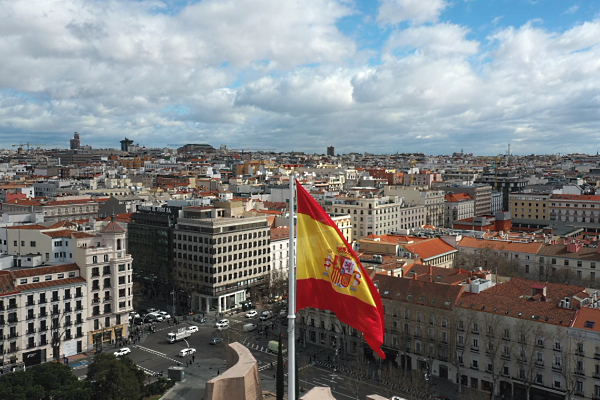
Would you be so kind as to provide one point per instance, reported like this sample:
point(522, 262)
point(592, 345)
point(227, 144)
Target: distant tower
point(75, 143)
point(125, 143)
point(330, 151)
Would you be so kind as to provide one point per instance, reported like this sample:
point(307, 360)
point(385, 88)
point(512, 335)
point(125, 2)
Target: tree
point(460, 333)
point(113, 378)
point(529, 351)
point(280, 386)
point(493, 344)
point(489, 259)
point(356, 373)
point(46, 381)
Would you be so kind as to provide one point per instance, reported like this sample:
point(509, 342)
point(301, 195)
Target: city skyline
point(434, 76)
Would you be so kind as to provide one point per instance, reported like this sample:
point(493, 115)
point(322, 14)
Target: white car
point(165, 314)
point(251, 314)
point(222, 323)
point(186, 352)
point(192, 329)
point(122, 352)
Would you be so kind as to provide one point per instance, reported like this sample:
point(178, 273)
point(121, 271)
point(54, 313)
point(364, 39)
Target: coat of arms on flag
point(341, 268)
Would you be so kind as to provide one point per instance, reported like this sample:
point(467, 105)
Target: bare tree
point(461, 330)
point(356, 373)
point(491, 259)
point(492, 339)
point(529, 352)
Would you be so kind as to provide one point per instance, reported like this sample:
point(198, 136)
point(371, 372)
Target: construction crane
point(20, 145)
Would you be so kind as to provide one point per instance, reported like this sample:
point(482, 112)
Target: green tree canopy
point(113, 378)
point(44, 382)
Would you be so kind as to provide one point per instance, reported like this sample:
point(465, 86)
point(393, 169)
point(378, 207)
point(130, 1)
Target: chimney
point(430, 270)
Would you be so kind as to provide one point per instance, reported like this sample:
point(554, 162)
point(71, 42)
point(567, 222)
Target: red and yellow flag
point(329, 275)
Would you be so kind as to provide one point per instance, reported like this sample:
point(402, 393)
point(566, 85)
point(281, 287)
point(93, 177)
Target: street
point(154, 354)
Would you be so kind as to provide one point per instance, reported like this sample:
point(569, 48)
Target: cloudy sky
point(431, 76)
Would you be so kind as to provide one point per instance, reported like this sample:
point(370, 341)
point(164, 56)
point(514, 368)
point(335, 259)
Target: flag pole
point(292, 297)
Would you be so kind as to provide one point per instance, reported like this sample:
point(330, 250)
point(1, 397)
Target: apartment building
point(505, 182)
point(377, 215)
point(106, 265)
point(480, 193)
point(217, 259)
point(42, 315)
point(509, 339)
point(458, 206)
point(529, 206)
point(52, 244)
point(280, 251)
point(433, 200)
point(56, 210)
point(574, 208)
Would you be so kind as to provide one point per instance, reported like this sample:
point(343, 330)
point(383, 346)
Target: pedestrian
point(193, 358)
point(217, 372)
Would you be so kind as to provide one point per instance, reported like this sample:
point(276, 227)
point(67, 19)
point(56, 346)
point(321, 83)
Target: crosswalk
point(157, 353)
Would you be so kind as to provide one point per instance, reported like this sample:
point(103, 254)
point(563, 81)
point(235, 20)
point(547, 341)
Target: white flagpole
point(292, 298)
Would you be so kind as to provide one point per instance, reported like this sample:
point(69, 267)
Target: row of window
point(35, 279)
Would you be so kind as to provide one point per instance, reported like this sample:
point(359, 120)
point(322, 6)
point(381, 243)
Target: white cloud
point(415, 11)
point(572, 10)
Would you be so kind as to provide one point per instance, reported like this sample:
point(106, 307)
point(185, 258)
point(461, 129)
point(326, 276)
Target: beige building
point(529, 206)
point(219, 259)
point(433, 200)
point(56, 210)
point(377, 215)
point(106, 266)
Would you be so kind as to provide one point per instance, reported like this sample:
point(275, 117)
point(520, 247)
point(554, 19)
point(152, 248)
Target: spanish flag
point(329, 275)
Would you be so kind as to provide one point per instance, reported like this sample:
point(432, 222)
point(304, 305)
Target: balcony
point(68, 323)
point(79, 294)
point(108, 286)
point(13, 320)
point(597, 356)
point(11, 306)
point(96, 300)
point(13, 335)
point(68, 310)
point(30, 316)
point(475, 349)
point(79, 334)
point(97, 287)
point(42, 314)
point(43, 328)
point(505, 356)
point(539, 363)
point(579, 372)
point(78, 308)
point(42, 301)
point(11, 350)
point(30, 332)
point(43, 342)
point(67, 297)
point(31, 345)
point(79, 322)
point(30, 303)
point(556, 367)
point(95, 274)
point(96, 313)
point(68, 337)
point(107, 298)
point(104, 273)
point(55, 312)
point(55, 299)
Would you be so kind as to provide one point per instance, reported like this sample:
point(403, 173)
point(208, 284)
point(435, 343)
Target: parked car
point(250, 327)
point(215, 340)
point(283, 312)
point(222, 323)
point(251, 313)
point(186, 352)
point(151, 310)
point(122, 352)
point(155, 317)
point(192, 329)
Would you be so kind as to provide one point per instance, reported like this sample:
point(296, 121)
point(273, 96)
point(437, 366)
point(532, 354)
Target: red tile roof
point(587, 318)
point(54, 282)
point(430, 248)
point(38, 271)
point(417, 292)
point(515, 247)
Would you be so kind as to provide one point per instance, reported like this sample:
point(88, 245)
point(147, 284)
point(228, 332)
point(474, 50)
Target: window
point(48, 278)
point(32, 243)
